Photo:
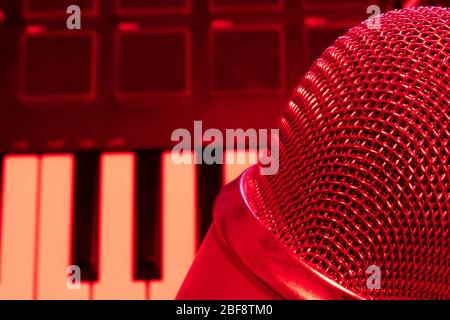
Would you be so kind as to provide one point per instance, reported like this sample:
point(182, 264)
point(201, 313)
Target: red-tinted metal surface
point(217, 275)
point(363, 177)
point(240, 259)
point(364, 160)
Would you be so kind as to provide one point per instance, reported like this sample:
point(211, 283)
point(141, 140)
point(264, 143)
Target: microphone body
point(359, 208)
point(239, 259)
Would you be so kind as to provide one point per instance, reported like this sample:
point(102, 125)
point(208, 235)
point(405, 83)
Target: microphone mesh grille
point(364, 160)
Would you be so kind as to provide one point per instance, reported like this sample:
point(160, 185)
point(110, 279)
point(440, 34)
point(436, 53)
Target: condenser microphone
point(359, 208)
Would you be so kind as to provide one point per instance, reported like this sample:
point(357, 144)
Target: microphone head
point(364, 160)
point(359, 207)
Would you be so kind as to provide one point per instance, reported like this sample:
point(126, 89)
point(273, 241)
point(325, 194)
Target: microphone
point(359, 208)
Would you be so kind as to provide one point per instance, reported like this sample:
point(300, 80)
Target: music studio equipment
point(85, 123)
point(363, 178)
point(127, 219)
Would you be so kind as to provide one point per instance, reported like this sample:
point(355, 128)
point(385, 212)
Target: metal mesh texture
point(364, 160)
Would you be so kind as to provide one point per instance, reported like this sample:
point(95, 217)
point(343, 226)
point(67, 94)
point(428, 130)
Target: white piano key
point(18, 227)
point(179, 228)
point(117, 230)
point(54, 255)
point(237, 162)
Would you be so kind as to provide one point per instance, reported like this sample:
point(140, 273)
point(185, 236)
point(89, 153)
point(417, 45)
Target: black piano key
point(85, 220)
point(148, 225)
point(209, 183)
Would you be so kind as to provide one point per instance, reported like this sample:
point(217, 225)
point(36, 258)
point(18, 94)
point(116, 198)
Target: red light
point(87, 143)
point(129, 26)
point(21, 145)
point(222, 24)
point(35, 29)
point(117, 142)
point(315, 21)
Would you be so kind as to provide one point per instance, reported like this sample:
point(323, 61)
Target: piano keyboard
point(132, 221)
